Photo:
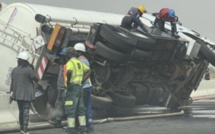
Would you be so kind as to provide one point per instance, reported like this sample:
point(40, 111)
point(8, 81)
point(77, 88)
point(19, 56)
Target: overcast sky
point(194, 14)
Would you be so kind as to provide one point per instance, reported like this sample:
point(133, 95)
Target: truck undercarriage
point(130, 68)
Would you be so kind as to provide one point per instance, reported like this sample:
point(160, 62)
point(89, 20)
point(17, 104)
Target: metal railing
point(14, 37)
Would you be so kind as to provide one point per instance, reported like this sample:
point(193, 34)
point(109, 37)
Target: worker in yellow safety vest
point(75, 73)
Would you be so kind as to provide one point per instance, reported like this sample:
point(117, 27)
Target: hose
point(47, 125)
point(139, 117)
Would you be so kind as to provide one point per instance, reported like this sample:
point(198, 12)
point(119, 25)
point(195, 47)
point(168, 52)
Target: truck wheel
point(122, 98)
point(117, 37)
point(207, 53)
point(109, 53)
point(101, 102)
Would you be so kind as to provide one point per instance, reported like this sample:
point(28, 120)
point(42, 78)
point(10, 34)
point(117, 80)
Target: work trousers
point(88, 105)
point(161, 24)
point(59, 105)
point(74, 108)
point(24, 108)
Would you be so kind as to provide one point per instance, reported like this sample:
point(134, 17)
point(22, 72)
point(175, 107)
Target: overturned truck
point(129, 68)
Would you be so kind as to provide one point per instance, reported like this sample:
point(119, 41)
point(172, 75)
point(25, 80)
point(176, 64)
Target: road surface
point(200, 120)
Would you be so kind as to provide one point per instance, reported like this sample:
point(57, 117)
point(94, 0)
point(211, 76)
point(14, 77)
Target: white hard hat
point(23, 55)
point(80, 47)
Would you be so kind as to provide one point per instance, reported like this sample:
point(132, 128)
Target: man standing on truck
point(59, 104)
point(167, 15)
point(74, 75)
point(132, 19)
point(87, 86)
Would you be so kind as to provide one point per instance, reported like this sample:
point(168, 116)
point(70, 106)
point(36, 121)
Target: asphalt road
point(200, 120)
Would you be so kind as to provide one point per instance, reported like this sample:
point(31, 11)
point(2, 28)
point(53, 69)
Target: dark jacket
point(162, 17)
point(132, 20)
point(22, 83)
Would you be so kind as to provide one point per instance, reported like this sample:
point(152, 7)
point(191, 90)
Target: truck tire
point(101, 102)
point(117, 37)
point(207, 53)
point(109, 53)
point(122, 98)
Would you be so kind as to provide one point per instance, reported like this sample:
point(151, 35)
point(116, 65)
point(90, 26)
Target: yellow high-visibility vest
point(77, 68)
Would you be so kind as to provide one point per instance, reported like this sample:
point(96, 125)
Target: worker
point(132, 19)
point(166, 15)
point(87, 86)
point(22, 89)
point(59, 104)
point(74, 71)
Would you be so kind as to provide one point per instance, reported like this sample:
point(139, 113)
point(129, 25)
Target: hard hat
point(63, 52)
point(142, 9)
point(23, 55)
point(171, 13)
point(80, 47)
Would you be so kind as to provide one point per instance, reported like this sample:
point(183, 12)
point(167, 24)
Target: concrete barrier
point(206, 90)
point(8, 112)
